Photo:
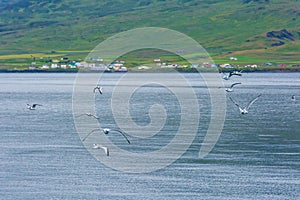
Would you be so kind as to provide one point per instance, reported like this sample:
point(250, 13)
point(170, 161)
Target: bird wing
point(252, 101)
point(236, 74)
point(105, 150)
point(95, 116)
point(124, 135)
point(100, 90)
point(234, 84)
point(234, 102)
point(34, 105)
point(90, 134)
point(95, 89)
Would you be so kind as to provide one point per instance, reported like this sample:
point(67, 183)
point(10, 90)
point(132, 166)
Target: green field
point(253, 31)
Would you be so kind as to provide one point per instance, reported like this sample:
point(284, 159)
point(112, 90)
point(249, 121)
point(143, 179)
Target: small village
point(98, 64)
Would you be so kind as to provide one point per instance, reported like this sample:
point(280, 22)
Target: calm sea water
point(256, 157)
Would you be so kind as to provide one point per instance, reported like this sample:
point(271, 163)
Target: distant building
point(268, 64)
point(226, 65)
point(122, 69)
point(82, 64)
point(207, 64)
point(72, 66)
point(253, 66)
point(282, 65)
point(157, 61)
point(63, 66)
point(143, 67)
point(169, 66)
point(31, 67)
point(92, 65)
point(99, 67)
point(45, 67)
point(54, 66)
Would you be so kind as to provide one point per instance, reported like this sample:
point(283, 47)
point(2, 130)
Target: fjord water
point(256, 157)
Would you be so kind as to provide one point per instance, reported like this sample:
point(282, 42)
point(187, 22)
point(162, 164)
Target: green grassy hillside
point(254, 28)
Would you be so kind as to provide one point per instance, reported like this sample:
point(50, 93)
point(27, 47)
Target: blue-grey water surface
point(256, 157)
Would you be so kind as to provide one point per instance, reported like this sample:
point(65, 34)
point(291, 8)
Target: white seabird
point(33, 106)
point(98, 146)
point(245, 110)
point(106, 131)
point(231, 87)
point(98, 88)
point(89, 115)
point(227, 76)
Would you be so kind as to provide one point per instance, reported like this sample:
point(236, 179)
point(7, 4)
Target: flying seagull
point(227, 76)
point(98, 146)
point(89, 115)
point(245, 110)
point(231, 87)
point(98, 88)
point(106, 131)
point(33, 106)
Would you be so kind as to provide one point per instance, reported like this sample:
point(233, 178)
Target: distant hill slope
point(237, 26)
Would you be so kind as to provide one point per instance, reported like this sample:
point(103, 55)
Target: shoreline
point(153, 71)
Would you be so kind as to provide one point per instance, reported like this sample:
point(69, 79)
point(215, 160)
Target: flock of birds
point(104, 130)
point(97, 89)
point(243, 110)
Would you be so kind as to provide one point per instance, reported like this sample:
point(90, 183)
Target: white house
point(54, 66)
point(45, 67)
point(63, 66)
point(122, 69)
